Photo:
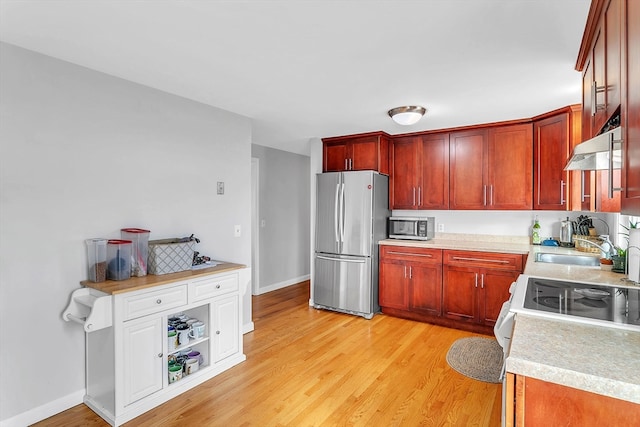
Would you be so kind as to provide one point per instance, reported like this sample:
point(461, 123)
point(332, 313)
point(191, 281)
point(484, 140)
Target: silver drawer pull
point(158, 301)
point(497, 261)
point(408, 254)
point(217, 286)
point(159, 354)
point(217, 332)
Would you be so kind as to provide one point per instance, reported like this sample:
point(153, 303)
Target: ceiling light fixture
point(407, 115)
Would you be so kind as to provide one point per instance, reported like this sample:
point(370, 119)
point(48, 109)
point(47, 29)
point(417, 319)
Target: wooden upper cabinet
point(598, 84)
point(467, 165)
point(630, 111)
point(357, 152)
point(510, 167)
point(602, 68)
point(434, 189)
point(613, 25)
point(419, 169)
point(551, 143)
point(492, 168)
point(405, 164)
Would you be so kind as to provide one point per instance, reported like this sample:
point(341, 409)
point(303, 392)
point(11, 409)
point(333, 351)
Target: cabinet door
point(550, 151)
point(612, 24)
point(335, 156)
point(434, 166)
point(426, 288)
point(405, 164)
point(509, 180)
point(537, 402)
point(467, 163)
point(494, 287)
point(587, 100)
point(364, 153)
point(603, 202)
point(143, 357)
point(393, 291)
point(630, 203)
point(226, 328)
point(459, 293)
point(599, 83)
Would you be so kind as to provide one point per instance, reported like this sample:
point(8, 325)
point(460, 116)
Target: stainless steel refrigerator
point(351, 217)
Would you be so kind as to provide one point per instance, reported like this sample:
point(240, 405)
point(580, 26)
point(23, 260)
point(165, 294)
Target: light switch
point(237, 231)
point(220, 187)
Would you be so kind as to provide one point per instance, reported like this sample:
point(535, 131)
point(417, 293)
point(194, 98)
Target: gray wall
point(83, 154)
point(284, 203)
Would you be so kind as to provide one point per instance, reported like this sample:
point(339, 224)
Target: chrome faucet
point(607, 248)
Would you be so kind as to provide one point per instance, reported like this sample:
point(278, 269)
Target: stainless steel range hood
point(598, 153)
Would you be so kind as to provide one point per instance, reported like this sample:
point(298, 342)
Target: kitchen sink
point(585, 260)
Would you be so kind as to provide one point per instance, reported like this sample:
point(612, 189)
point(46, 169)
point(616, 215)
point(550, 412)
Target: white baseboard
point(47, 410)
point(276, 286)
point(247, 327)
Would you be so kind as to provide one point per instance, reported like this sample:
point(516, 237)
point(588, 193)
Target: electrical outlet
point(440, 227)
point(237, 231)
point(220, 187)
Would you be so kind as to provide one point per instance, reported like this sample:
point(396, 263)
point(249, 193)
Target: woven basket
point(584, 246)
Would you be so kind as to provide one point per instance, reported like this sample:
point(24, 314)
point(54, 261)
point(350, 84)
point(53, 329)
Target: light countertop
point(600, 360)
point(137, 283)
point(592, 358)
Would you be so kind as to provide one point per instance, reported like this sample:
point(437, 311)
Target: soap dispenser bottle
point(535, 232)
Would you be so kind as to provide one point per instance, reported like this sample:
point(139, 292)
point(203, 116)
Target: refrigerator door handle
point(342, 212)
point(335, 214)
point(352, 260)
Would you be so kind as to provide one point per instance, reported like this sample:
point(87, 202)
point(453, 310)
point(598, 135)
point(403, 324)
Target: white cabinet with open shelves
point(127, 363)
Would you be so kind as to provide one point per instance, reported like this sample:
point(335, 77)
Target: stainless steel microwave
point(412, 228)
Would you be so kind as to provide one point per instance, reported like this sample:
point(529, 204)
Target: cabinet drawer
point(410, 253)
point(154, 301)
point(495, 260)
point(212, 286)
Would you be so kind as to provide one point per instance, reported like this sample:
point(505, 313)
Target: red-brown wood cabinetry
point(609, 58)
point(630, 111)
point(542, 403)
point(554, 135)
point(492, 168)
point(419, 172)
point(410, 280)
point(357, 152)
point(476, 284)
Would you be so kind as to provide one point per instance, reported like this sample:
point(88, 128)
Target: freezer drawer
point(343, 283)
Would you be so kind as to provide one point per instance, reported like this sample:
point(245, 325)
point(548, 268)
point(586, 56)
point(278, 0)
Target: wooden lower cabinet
point(458, 289)
point(410, 280)
point(476, 284)
point(475, 295)
point(532, 402)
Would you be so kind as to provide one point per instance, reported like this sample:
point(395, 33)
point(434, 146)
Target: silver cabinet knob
point(217, 332)
point(158, 301)
point(159, 354)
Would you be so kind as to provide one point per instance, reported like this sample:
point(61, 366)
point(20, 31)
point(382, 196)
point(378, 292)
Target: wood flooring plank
point(308, 367)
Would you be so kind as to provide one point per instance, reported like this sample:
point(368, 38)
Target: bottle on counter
point(535, 232)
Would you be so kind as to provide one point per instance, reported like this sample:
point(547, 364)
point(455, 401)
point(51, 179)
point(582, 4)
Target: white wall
point(284, 210)
point(83, 154)
point(509, 223)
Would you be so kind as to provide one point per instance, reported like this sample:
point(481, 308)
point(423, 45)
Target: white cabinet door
point(143, 358)
point(226, 328)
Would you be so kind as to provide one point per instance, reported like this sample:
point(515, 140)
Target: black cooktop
point(612, 304)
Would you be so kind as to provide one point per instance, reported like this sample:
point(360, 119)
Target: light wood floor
point(307, 367)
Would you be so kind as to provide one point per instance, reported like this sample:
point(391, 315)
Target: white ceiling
point(315, 68)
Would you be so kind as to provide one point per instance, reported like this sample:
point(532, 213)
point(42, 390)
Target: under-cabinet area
point(455, 288)
point(168, 334)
